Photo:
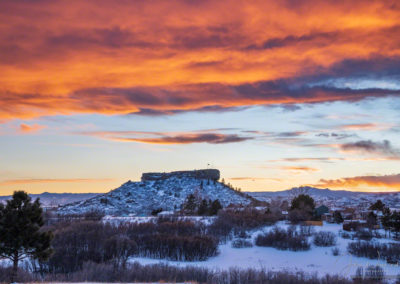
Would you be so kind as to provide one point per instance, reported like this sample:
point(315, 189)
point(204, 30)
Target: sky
point(275, 94)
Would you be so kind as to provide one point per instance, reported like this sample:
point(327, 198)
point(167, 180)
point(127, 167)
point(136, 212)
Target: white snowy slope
point(158, 190)
point(56, 199)
point(391, 199)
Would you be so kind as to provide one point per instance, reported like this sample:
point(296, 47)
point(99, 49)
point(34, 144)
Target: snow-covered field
point(316, 260)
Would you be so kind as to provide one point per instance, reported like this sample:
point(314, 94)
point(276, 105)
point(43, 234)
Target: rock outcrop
point(211, 174)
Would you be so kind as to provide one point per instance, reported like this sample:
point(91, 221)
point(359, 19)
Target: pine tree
point(190, 204)
point(20, 235)
point(378, 205)
point(396, 222)
point(215, 207)
point(387, 220)
point(371, 220)
point(203, 208)
point(337, 217)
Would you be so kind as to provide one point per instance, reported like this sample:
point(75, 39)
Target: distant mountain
point(55, 199)
point(340, 197)
point(159, 190)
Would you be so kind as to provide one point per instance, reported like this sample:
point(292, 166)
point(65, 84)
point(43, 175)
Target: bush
point(77, 242)
point(136, 272)
point(307, 231)
point(335, 251)
point(353, 226)
point(374, 273)
point(242, 243)
point(345, 235)
point(236, 221)
point(390, 252)
point(283, 239)
point(182, 248)
point(364, 234)
point(324, 239)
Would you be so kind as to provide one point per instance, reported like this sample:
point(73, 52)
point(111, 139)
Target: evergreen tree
point(371, 220)
point(337, 217)
point(378, 205)
point(302, 208)
point(396, 222)
point(190, 204)
point(386, 220)
point(303, 201)
point(203, 208)
point(215, 207)
point(20, 234)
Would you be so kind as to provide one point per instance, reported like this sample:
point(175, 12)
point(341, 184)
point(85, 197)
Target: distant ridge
point(326, 194)
point(56, 199)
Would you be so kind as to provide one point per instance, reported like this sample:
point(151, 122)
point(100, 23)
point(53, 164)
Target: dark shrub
point(390, 252)
point(242, 243)
point(345, 235)
point(133, 273)
point(237, 220)
point(307, 231)
point(364, 234)
point(283, 239)
point(374, 273)
point(335, 251)
point(155, 212)
point(324, 239)
point(353, 226)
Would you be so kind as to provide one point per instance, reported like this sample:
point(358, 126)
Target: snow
point(140, 198)
point(317, 260)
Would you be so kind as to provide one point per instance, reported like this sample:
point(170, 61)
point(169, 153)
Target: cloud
point(364, 126)
point(299, 169)
point(25, 128)
point(386, 181)
point(75, 180)
point(336, 135)
point(147, 58)
point(210, 138)
point(383, 148)
point(253, 178)
point(169, 138)
point(309, 159)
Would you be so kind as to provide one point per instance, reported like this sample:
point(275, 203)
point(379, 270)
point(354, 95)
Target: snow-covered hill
point(159, 190)
point(48, 199)
point(341, 197)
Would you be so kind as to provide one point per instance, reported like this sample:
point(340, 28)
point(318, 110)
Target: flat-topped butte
point(212, 174)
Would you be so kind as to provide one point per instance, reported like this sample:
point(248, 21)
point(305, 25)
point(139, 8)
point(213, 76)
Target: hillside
point(159, 190)
point(340, 197)
point(48, 199)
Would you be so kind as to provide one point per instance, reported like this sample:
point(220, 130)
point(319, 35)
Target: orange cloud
point(387, 181)
point(364, 126)
point(209, 136)
point(254, 178)
point(308, 159)
point(25, 128)
point(97, 56)
point(300, 169)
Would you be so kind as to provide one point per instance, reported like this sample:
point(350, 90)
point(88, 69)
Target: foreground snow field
point(317, 260)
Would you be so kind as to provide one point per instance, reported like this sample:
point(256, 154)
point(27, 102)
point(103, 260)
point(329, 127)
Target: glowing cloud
point(385, 181)
point(25, 128)
point(153, 57)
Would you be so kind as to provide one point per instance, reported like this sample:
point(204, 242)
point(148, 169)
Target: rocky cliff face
point(211, 174)
point(159, 190)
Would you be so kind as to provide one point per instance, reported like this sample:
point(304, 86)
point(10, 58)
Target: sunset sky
point(275, 94)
